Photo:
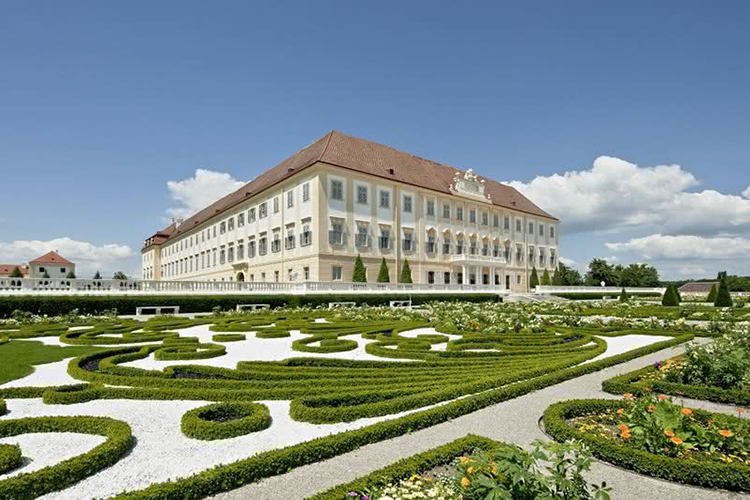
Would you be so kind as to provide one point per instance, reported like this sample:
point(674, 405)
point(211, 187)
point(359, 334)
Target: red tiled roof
point(51, 258)
point(7, 269)
point(698, 287)
point(360, 155)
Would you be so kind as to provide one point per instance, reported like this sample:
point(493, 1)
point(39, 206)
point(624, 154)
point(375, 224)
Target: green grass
point(18, 357)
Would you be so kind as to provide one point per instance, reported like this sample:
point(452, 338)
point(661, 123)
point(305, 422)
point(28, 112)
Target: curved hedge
point(228, 337)
point(3, 407)
point(631, 382)
point(10, 457)
point(225, 420)
point(119, 440)
point(731, 476)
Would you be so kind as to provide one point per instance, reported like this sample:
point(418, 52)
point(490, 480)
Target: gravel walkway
point(514, 421)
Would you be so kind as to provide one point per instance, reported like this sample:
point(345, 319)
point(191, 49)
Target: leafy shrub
point(724, 363)
point(360, 273)
point(712, 294)
point(228, 337)
point(624, 296)
point(534, 279)
point(550, 470)
point(670, 298)
point(405, 273)
point(225, 420)
point(10, 457)
point(383, 276)
point(546, 281)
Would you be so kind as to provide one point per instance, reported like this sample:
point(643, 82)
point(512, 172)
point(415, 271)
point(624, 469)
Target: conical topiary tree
point(45, 275)
point(624, 296)
point(670, 297)
point(360, 273)
point(16, 273)
point(405, 273)
point(534, 280)
point(723, 298)
point(97, 276)
point(712, 294)
point(546, 281)
point(677, 292)
point(383, 276)
point(558, 279)
point(71, 275)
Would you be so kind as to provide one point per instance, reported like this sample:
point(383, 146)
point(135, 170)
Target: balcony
point(362, 240)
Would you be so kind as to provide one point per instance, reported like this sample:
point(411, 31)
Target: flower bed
point(653, 436)
point(225, 420)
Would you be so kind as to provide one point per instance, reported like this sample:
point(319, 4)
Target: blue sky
point(103, 103)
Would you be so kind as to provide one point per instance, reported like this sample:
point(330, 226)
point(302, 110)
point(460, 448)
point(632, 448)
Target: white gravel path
point(43, 449)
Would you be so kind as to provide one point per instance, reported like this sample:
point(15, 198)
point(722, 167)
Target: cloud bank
point(196, 193)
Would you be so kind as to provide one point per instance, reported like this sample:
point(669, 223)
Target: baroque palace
point(309, 217)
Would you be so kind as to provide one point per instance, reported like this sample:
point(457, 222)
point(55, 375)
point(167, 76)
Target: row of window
point(449, 278)
point(384, 201)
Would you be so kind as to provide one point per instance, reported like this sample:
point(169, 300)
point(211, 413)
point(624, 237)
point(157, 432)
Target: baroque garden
point(379, 402)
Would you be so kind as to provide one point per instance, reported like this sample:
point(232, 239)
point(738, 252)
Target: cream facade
point(312, 225)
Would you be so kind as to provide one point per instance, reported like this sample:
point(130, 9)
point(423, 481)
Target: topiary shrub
point(723, 298)
point(71, 275)
point(670, 298)
point(16, 273)
point(225, 420)
point(534, 280)
point(712, 294)
point(546, 281)
point(405, 273)
point(383, 276)
point(360, 273)
point(624, 296)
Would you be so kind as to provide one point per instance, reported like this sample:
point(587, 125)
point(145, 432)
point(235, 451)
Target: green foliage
point(119, 441)
point(534, 279)
point(405, 276)
point(708, 473)
point(550, 470)
point(97, 276)
point(10, 457)
point(360, 273)
point(71, 275)
point(624, 296)
point(228, 337)
point(16, 273)
point(46, 275)
point(600, 270)
point(383, 275)
point(119, 275)
point(723, 299)
point(565, 276)
point(670, 298)
point(225, 420)
point(712, 294)
point(546, 279)
point(637, 275)
point(20, 356)
point(3, 407)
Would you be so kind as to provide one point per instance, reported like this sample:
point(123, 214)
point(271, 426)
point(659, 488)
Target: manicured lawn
point(20, 356)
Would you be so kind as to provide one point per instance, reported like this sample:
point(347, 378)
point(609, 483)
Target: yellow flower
point(620, 411)
point(465, 460)
point(465, 482)
point(470, 470)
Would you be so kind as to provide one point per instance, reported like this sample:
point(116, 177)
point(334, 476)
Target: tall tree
point(360, 273)
point(119, 275)
point(638, 275)
point(383, 275)
point(534, 280)
point(16, 273)
point(565, 276)
point(600, 270)
point(405, 273)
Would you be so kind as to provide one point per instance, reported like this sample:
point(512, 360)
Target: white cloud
point(684, 247)
point(615, 194)
point(87, 257)
point(196, 193)
point(746, 192)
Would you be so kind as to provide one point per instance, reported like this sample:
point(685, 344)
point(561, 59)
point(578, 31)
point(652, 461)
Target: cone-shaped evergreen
point(534, 280)
point(712, 294)
point(383, 276)
point(71, 275)
point(45, 275)
point(677, 292)
point(557, 278)
point(624, 296)
point(16, 273)
point(97, 276)
point(670, 297)
point(723, 299)
point(546, 281)
point(360, 273)
point(405, 273)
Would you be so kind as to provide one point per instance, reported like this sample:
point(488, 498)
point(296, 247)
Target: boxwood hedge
point(731, 476)
point(225, 420)
point(10, 457)
point(86, 304)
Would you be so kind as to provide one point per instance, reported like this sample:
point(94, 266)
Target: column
point(464, 275)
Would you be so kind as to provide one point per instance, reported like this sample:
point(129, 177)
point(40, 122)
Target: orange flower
point(676, 440)
point(620, 411)
point(646, 389)
point(662, 397)
point(740, 411)
point(623, 428)
point(726, 433)
point(627, 395)
point(669, 433)
point(687, 411)
point(625, 435)
point(651, 408)
point(711, 421)
point(465, 482)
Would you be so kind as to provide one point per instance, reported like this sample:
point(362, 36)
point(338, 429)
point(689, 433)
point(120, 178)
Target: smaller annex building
point(51, 265)
point(698, 287)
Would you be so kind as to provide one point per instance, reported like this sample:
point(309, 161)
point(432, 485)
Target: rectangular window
point(230, 254)
point(496, 220)
point(263, 210)
point(240, 220)
point(407, 204)
point(336, 273)
point(446, 246)
point(362, 195)
point(506, 223)
point(305, 238)
point(222, 256)
point(446, 211)
point(472, 216)
point(240, 251)
point(306, 273)
point(263, 246)
point(459, 213)
point(276, 205)
point(251, 215)
point(384, 242)
point(362, 238)
point(430, 208)
point(385, 199)
point(408, 241)
point(485, 219)
point(276, 243)
point(552, 232)
point(230, 226)
point(289, 242)
point(518, 225)
point(337, 190)
point(276, 276)
point(251, 249)
point(531, 228)
point(306, 192)
point(289, 199)
point(336, 234)
point(541, 230)
point(222, 228)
